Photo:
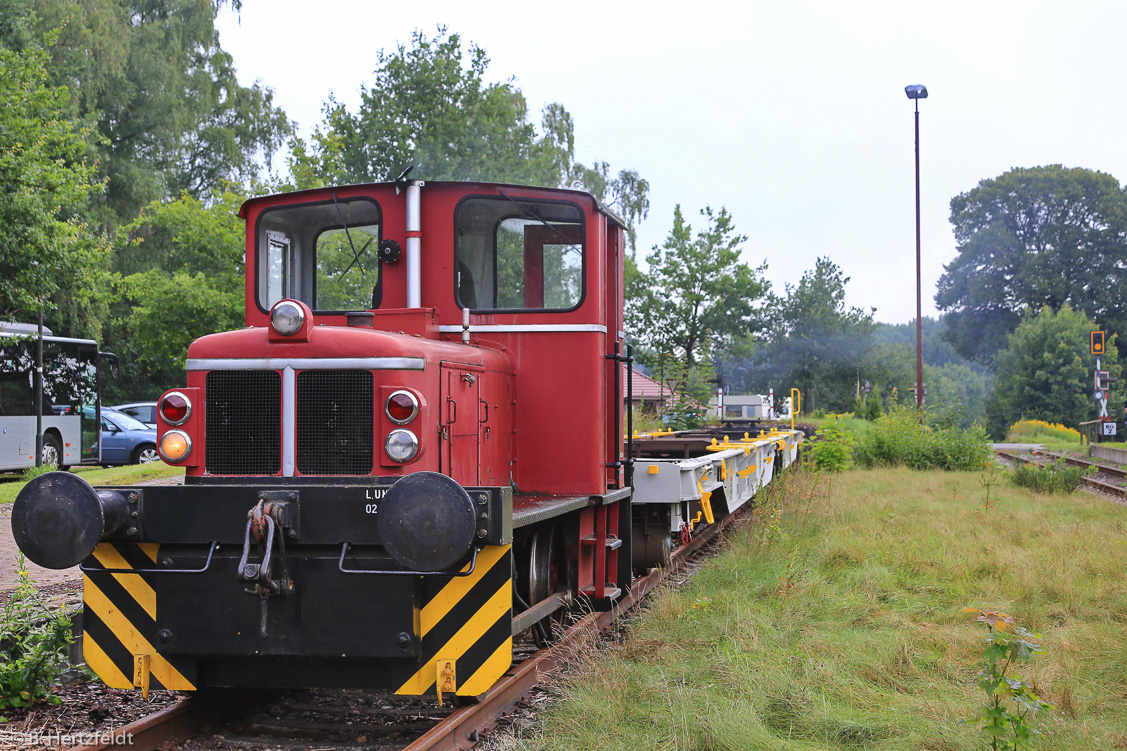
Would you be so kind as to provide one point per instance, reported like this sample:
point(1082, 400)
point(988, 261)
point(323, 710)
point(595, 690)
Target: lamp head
point(916, 91)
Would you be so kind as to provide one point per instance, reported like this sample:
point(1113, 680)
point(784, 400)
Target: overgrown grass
point(835, 622)
point(847, 422)
point(126, 475)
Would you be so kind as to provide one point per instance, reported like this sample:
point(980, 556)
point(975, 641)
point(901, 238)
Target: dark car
point(126, 440)
point(146, 412)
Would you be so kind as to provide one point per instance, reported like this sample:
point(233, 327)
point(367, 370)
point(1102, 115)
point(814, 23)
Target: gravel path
point(45, 578)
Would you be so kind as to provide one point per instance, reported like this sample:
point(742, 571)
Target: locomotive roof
point(603, 208)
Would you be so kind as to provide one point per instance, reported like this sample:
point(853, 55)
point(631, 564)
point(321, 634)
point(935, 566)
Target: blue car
point(126, 440)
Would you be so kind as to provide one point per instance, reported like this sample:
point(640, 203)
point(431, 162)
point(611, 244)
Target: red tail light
point(402, 406)
point(175, 408)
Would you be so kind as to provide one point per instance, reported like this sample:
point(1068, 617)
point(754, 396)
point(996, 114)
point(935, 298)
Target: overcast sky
point(790, 113)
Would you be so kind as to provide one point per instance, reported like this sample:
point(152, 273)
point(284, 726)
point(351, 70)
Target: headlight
point(401, 407)
point(287, 317)
point(401, 445)
point(175, 445)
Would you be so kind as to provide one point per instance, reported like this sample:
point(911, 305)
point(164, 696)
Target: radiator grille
point(244, 422)
point(334, 422)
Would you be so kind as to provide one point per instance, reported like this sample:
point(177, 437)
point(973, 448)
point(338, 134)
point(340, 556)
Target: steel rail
point(1116, 490)
point(1105, 468)
point(172, 724)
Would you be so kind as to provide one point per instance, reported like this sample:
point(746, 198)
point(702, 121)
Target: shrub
point(33, 645)
point(898, 438)
point(831, 449)
point(873, 408)
point(1054, 477)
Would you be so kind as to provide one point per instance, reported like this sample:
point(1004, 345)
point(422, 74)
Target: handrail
point(394, 572)
point(207, 564)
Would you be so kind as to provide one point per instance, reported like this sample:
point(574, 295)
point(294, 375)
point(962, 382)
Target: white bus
point(71, 404)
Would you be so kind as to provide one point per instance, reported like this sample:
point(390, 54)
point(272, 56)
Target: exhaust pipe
point(59, 518)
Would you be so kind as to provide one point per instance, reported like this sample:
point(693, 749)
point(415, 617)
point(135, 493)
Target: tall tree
point(696, 294)
point(47, 257)
point(814, 342)
point(1029, 238)
point(15, 25)
point(429, 105)
point(180, 277)
point(1046, 371)
point(628, 193)
point(163, 94)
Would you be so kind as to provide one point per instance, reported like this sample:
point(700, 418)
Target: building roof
point(646, 387)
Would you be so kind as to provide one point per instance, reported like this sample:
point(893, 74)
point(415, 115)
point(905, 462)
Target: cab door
point(459, 412)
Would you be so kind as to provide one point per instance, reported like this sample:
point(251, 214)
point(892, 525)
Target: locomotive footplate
point(215, 603)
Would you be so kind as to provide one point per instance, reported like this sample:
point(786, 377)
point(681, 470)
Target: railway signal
point(1098, 344)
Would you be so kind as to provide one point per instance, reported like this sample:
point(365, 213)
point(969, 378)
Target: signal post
point(1101, 381)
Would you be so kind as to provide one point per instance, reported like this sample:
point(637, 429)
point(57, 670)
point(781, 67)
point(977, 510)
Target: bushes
point(898, 438)
point(1055, 477)
point(831, 449)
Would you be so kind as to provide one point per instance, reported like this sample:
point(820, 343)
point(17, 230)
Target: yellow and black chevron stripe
point(468, 620)
point(119, 621)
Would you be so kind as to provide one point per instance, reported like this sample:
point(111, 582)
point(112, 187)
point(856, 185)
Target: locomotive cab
point(411, 453)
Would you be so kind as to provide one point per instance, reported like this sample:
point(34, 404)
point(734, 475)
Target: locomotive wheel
point(547, 565)
point(547, 575)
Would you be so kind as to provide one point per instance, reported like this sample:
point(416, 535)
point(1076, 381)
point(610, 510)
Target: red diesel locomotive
point(412, 452)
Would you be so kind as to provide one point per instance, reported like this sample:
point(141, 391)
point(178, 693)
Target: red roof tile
point(645, 387)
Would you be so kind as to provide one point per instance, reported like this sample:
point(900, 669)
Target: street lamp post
point(916, 92)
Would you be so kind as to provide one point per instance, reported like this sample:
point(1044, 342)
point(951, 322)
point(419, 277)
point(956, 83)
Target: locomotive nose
point(58, 519)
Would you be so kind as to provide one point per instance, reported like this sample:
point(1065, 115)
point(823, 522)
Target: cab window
point(514, 254)
point(324, 254)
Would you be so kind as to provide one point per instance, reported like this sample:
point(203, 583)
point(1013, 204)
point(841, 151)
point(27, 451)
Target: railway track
point(462, 729)
point(1108, 479)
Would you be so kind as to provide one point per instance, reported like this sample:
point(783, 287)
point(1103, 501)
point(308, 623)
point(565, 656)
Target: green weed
point(1011, 704)
point(33, 645)
point(989, 480)
point(32, 472)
